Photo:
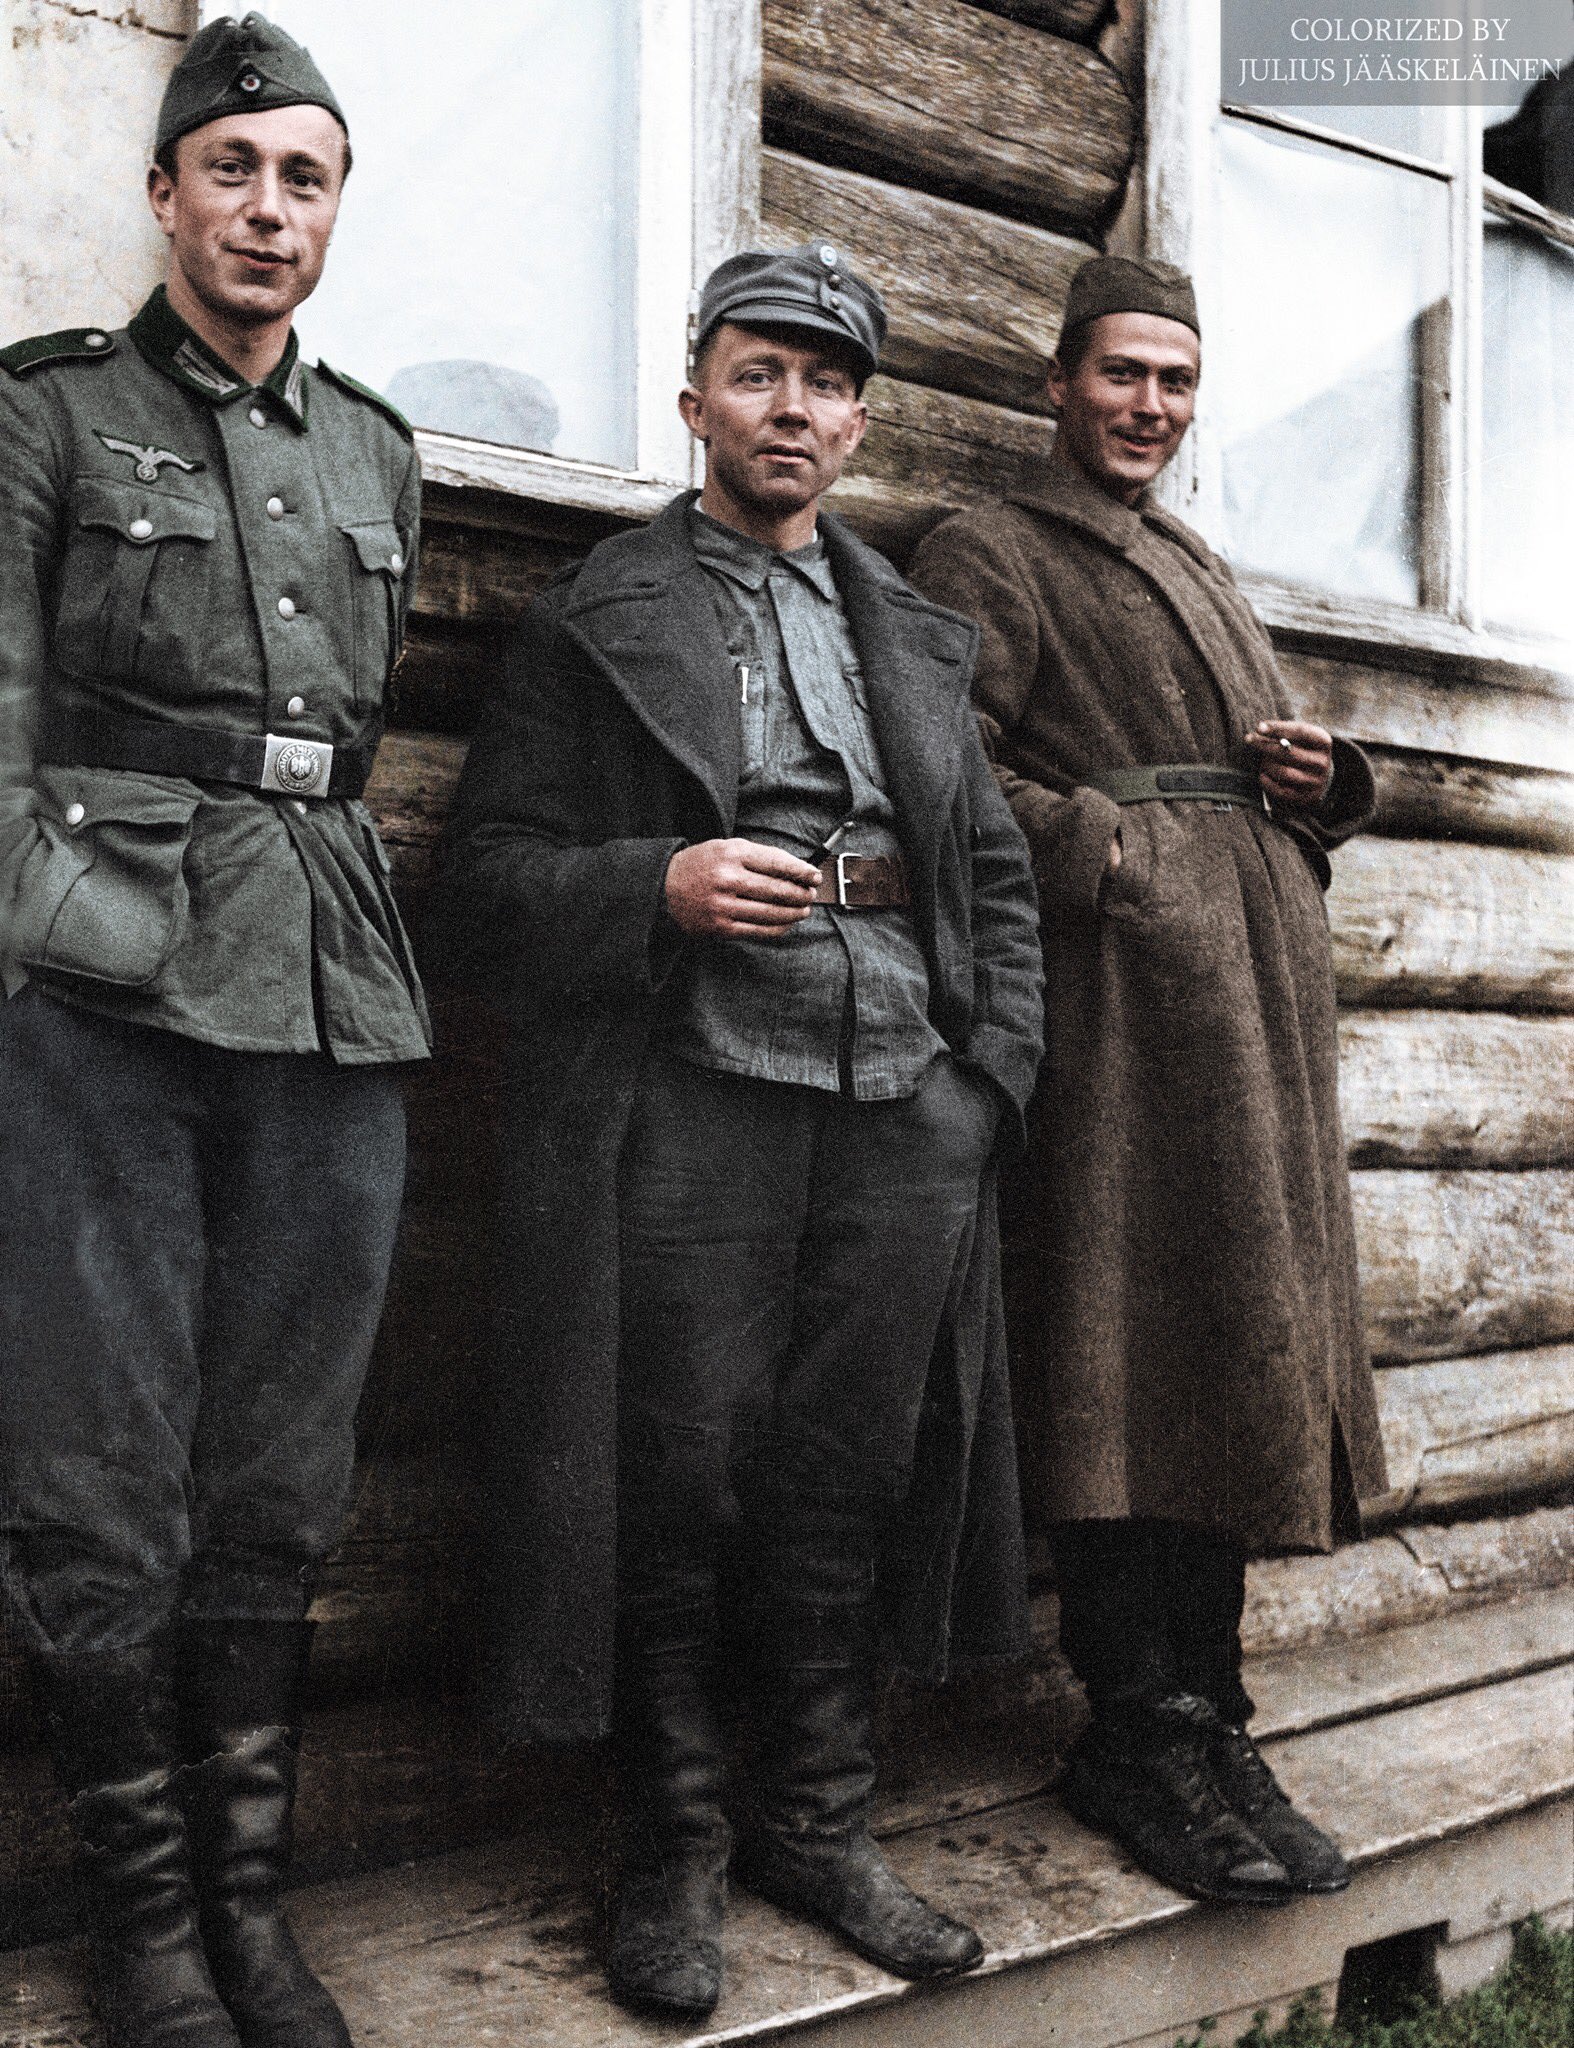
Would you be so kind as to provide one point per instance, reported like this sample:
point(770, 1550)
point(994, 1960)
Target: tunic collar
point(750, 562)
point(1066, 493)
point(165, 341)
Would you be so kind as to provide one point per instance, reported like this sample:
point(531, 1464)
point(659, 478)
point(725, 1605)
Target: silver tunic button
point(286, 607)
point(139, 529)
point(828, 256)
point(75, 813)
point(396, 561)
point(257, 416)
point(275, 508)
point(95, 340)
point(296, 707)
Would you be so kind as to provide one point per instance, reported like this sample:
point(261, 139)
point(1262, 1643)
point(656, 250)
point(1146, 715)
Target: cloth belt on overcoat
point(1178, 782)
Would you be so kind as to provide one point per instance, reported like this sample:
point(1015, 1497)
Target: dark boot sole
point(1189, 1888)
point(659, 2008)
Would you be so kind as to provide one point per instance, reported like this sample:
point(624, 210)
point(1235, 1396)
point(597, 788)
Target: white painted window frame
point(1181, 224)
point(699, 183)
point(698, 84)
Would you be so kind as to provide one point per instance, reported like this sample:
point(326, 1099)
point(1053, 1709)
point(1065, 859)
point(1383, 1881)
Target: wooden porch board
point(1454, 1810)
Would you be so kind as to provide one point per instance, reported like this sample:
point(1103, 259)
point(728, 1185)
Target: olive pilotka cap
point(1130, 284)
point(240, 67)
point(811, 287)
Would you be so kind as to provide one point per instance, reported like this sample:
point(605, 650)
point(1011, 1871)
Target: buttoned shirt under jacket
point(256, 582)
point(844, 991)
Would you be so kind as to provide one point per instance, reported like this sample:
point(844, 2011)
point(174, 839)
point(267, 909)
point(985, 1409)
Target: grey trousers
point(194, 1245)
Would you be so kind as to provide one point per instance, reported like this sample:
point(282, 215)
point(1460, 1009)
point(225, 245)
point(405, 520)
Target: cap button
point(828, 256)
point(249, 81)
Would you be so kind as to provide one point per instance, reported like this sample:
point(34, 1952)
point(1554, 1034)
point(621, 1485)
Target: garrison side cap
point(812, 287)
point(240, 67)
point(1130, 284)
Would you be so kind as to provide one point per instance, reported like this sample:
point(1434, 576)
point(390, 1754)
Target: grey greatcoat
point(615, 740)
point(1181, 1264)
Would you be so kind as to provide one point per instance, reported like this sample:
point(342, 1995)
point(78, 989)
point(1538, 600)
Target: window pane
point(1418, 131)
point(1334, 298)
point(483, 271)
point(1528, 500)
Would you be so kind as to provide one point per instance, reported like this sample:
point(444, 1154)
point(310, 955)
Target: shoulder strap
point(71, 344)
point(357, 389)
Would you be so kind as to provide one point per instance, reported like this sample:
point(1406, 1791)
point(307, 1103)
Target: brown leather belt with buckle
point(864, 881)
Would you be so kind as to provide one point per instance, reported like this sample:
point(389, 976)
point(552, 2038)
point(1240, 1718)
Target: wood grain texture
point(1435, 796)
point(1456, 1088)
point(1474, 1429)
point(975, 302)
point(952, 100)
point(1458, 927)
point(1456, 1262)
point(1080, 20)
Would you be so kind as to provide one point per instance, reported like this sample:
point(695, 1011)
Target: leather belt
point(1180, 783)
point(864, 881)
point(285, 764)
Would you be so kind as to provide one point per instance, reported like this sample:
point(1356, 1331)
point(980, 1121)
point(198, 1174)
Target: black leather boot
point(665, 1957)
point(1144, 1774)
point(242, 1694)
point(1311, 1860)
point(808, 1848)
point(108, 1719)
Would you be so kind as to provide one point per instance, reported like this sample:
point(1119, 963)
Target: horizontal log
point(1456, 1088)
point(1457, 927)
point(1476, 1429)
point(975, 302)
point(1461, 1262)
point(1434, 796)
point(951, 100)
point(1432, 707)
point(1080, 20)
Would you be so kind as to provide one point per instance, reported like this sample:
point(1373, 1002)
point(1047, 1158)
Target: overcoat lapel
point(643, 612)
point(916, 660)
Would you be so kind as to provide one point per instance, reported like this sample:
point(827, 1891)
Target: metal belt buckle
point(841, 880)
point(296, 767)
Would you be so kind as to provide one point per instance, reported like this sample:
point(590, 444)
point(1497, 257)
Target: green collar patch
point(165, 341)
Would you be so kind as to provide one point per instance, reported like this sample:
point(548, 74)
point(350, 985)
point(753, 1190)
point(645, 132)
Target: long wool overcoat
point(614, 740)
point(1180, 1255)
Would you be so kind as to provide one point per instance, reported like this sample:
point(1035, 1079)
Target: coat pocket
point(134, 583)
point(377, 570)
point(103, 896)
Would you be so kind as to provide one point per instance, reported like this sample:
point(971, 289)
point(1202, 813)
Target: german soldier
point(206, 556)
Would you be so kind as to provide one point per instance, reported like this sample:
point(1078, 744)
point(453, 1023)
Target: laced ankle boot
point(108, 1720)
point(1312, 1861)
point(242, 1696)
point(1144, 1773)
point(665, 1957)
point(809, 1849)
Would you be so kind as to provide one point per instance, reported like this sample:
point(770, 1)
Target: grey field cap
point(811, 287)
point(240, 67)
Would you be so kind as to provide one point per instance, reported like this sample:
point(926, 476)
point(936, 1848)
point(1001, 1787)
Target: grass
point(1528, 2004)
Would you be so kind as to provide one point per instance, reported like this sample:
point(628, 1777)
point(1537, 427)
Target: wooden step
point(1454, 1809)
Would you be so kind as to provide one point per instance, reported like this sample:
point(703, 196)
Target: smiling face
point(779, 414)
point(249, 215)
point(1129, 399)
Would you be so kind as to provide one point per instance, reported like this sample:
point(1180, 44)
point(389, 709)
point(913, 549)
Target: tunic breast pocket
point(377, 569)
point(133, 597)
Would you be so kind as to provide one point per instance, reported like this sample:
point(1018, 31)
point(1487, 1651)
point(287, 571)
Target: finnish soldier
point(734, 861)
point(1189, 1352)
point(206, 550)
